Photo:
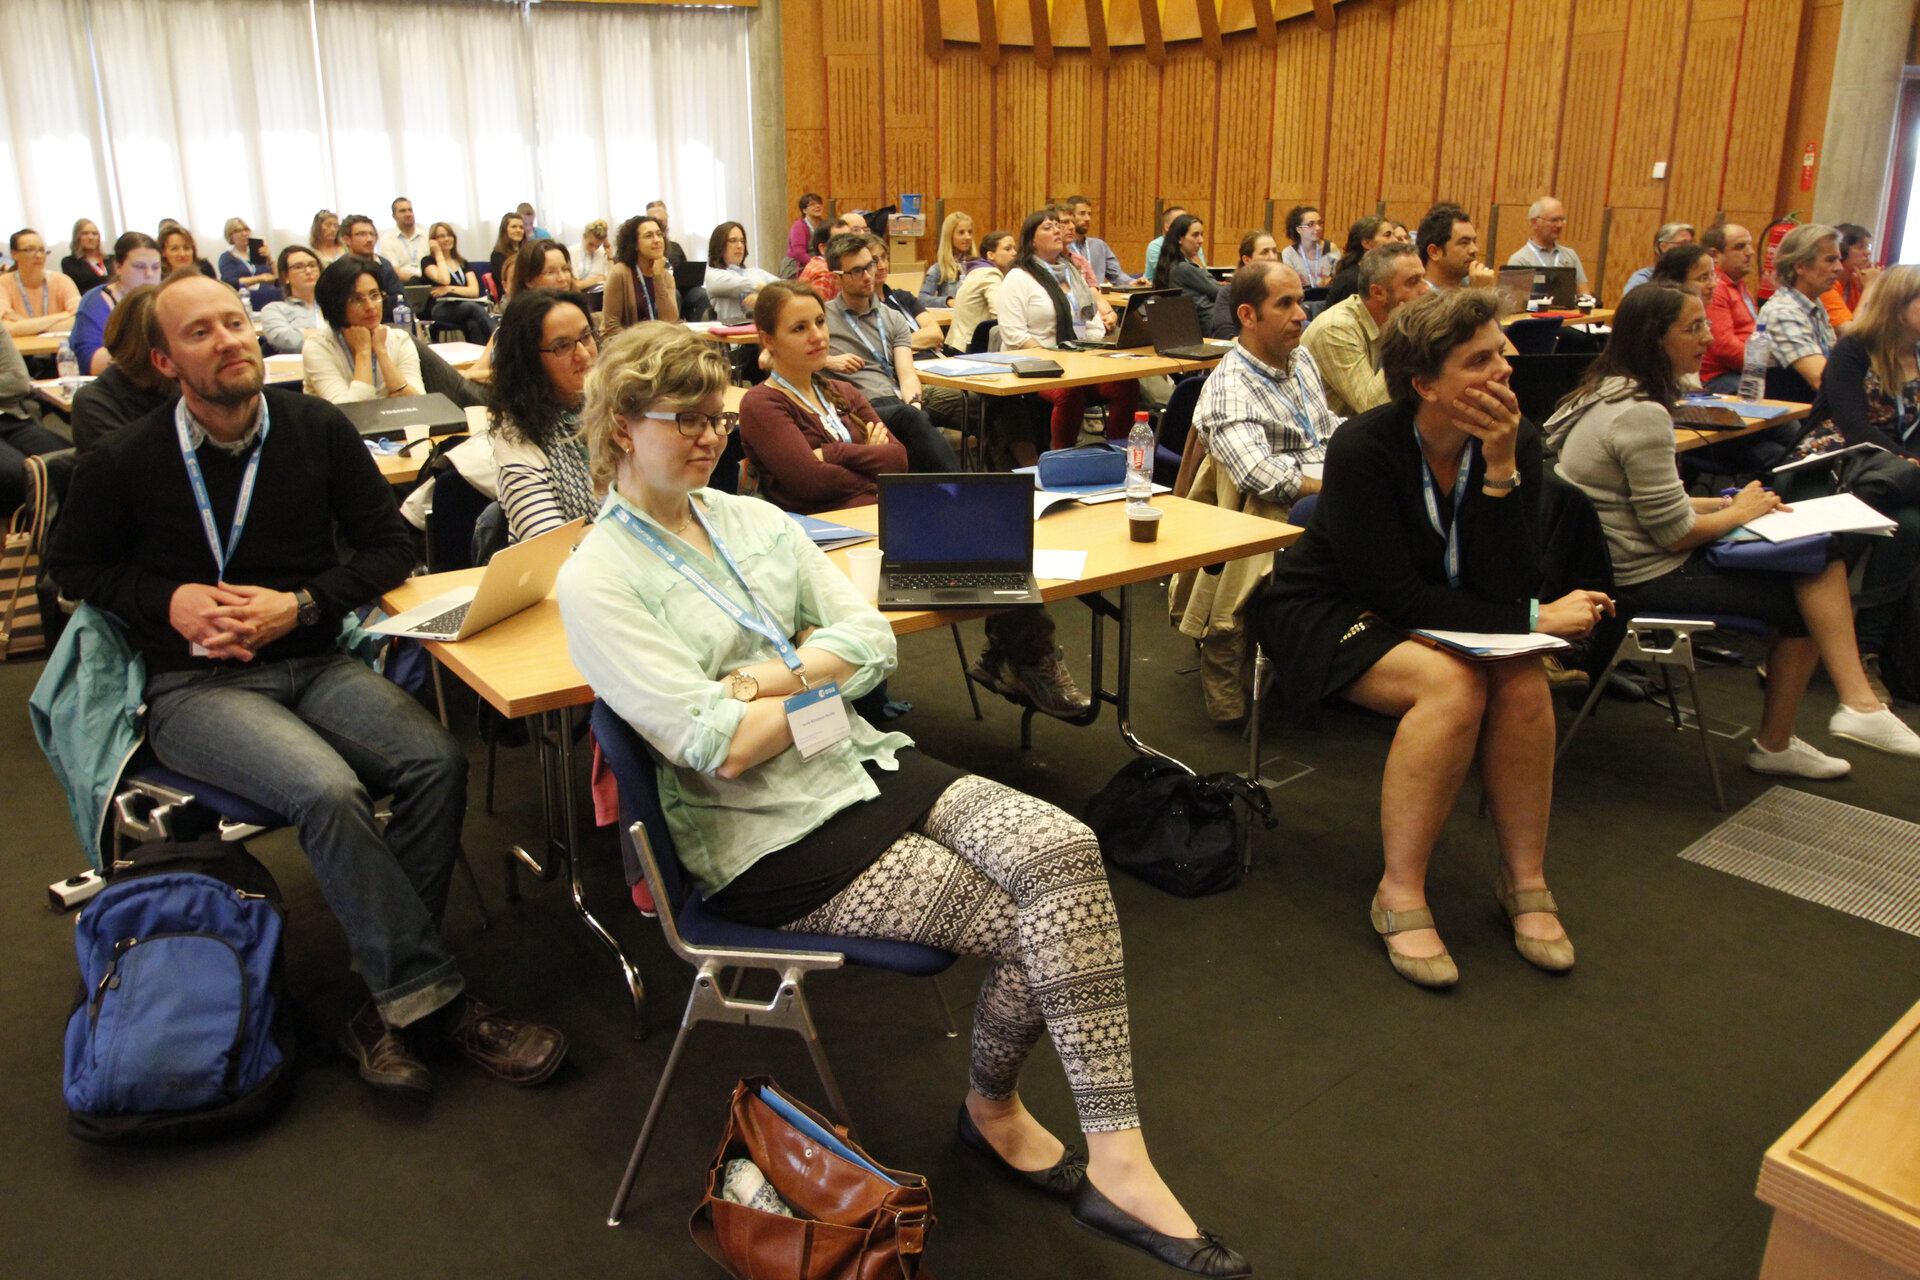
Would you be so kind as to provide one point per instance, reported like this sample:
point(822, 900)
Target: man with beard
point(208, 529)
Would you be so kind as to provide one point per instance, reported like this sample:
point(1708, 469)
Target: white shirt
point(1027, 314)
point(326, 368)
point(406, 253)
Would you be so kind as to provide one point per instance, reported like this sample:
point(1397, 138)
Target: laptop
point(518, 577)
point(956, 541)
point(690, 275)
point(419, 299)
point(1175, 329)
point(393, 417)
point(1133, 324)
point(1555, 287)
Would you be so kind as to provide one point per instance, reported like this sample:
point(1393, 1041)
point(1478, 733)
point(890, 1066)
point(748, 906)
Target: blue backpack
point(181, 1028)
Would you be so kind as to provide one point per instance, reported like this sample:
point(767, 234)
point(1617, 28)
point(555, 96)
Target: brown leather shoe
point(385, 1056)
point(517, 1052)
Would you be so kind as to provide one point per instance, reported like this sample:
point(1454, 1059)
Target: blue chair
point(1176, 423)
point(713, 945)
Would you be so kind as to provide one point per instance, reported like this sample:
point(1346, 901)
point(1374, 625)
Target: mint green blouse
point(654, 647)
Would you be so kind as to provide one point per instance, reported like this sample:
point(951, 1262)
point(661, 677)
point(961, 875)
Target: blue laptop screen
point(954, 521)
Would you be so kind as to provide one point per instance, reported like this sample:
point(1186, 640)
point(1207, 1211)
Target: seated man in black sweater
point(208, 528)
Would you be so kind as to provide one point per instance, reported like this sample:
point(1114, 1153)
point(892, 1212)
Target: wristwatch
point(309, 609)
point(740, 686)
point(1511, 483)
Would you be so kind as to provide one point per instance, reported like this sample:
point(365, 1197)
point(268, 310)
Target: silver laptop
point(956, 541)
point(518, 577)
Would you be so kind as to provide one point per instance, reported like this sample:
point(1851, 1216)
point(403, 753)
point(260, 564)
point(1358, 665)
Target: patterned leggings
point(996, 873)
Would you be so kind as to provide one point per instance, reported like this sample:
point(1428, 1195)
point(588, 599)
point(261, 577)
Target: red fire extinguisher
point(1770, 249)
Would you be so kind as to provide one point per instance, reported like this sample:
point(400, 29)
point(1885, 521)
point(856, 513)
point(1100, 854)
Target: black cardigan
point(1370, 541)
point(110, 402)
point(130, 531)
point(1843, 399)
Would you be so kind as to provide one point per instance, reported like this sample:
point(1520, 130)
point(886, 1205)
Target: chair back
point(1176, 420)
point(982, 337)
point(1534, 337)
point(1540, 382)
point(456, 506)
point(634, 773)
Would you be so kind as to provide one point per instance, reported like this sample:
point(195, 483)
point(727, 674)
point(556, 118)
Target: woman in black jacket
point(1428, 518)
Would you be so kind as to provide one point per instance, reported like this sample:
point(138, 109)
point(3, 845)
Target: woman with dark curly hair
point(541, 355)
point(640, 281)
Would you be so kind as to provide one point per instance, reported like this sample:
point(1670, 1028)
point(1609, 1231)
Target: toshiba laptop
point(1554, 287)
point(1175, 329)
point(956, 541)
point(518, 577)
point(1132, 330)
point(392, 418)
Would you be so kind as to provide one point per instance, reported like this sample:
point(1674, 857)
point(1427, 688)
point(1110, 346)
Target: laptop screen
point(947, 519)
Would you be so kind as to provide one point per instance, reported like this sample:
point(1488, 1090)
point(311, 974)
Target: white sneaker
point(1882, 730)
point(1800, 759)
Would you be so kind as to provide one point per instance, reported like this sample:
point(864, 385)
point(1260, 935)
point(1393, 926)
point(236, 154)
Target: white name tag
point(818, 719)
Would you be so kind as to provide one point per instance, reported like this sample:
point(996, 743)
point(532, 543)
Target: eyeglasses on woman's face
point(693, 424)
point(565, 347)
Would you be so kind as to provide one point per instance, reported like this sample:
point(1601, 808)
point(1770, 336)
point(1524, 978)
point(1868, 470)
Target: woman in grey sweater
point(1614, 436)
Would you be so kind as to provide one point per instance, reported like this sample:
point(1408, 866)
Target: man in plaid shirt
point(1806, 265)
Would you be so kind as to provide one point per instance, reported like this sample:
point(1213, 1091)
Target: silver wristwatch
point(1511, 483)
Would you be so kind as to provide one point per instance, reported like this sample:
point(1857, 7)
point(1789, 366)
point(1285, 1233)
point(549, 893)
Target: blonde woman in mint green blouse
point(867, 837)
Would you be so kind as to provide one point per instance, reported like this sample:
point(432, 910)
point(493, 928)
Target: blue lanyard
point(1541, 262)
point(759, 621)
point(1282, 387)
point(860, 331)
point(829, 416)
point(646, 293)
point(46, 306)
point(1451, 532)
point(222, 557)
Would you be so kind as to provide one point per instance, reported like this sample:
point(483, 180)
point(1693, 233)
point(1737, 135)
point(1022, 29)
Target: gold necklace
point(680, 528)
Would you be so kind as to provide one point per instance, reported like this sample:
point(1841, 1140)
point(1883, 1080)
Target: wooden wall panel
point(1302, 70)
point(1021, 121)
point(1360, 48)
point(1586, 134)
point(1762, 95)
point(1246, 117)
point(1502, 236)
point(853, 114)
point(1807, 117)
point(966, 113)
point(905, 86)
point(1470, 128)
point(1629, 248)
point(803, 75)
point(1706, 102)
point(806, 167)
point(1530, 117)
point(849, 26)
point(1076, 160)
point(1649, 92)
point(1134, 139)
point(1416, 81)
point(1189, 114)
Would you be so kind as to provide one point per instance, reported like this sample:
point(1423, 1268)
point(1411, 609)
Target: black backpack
point(1173, 830)
point(182, 1027)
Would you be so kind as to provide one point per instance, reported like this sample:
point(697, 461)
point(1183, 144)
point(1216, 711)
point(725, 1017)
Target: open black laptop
point(690, 275)
point(956, 541)
point(390, 418)
point(1174, 327)
point(1555, 287)
point(1132, 330)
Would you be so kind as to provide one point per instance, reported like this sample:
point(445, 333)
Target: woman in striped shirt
point(541, 355)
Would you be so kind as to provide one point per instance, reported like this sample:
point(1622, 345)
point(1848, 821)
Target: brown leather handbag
point(855, 1219)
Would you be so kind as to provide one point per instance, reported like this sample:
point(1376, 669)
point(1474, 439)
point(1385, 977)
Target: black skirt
point(1318, 646)
point(793, 882)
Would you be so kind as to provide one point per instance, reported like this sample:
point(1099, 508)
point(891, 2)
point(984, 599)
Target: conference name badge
point(818, 719)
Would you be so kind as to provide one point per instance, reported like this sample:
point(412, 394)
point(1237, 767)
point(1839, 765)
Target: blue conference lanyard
point(1451, 531)
point(46, 305)
point(828, 415)
point(222, 557)
point(759, 621)
point(860, 331)
point(646, 292)
point(1283, 387)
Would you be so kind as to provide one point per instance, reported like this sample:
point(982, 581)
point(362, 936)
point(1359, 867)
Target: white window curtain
point(216, 109)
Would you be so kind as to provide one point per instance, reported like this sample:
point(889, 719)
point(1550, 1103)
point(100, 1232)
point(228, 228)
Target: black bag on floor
point(1177, 832)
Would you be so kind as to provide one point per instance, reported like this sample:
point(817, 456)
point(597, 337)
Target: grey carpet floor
point(1329, 1119)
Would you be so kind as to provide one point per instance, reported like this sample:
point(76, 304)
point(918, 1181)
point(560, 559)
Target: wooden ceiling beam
point(1209, 28)
point(1097, 34)
point(1323, 14)
point(989, 32)
point(1264, 28)
point(1041, 12)
point(930, 34)
point(1150, 32)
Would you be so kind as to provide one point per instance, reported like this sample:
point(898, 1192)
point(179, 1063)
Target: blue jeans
point(316, 740)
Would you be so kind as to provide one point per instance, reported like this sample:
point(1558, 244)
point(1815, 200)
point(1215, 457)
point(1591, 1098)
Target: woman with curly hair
point(541, 355)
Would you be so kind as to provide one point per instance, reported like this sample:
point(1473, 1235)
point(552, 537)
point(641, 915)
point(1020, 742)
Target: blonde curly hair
point(641, 366)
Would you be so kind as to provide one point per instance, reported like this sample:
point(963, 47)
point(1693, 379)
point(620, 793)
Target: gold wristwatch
point(740, 686)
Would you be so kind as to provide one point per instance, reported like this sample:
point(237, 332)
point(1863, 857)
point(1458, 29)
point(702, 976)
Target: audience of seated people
point(21, 435)
point(1547, 222)
point(323, 237)
point(86, 261)
point(732, 285)
point(356, 355)
point(1805, 265)
point(590, 259)
point(132, 386)
point(1167, 216)
point(1856, 273)
point(32, 298)
point(1363, 235)
point(1346, 338)
point(1429, 516)
point(953, 251)
point(928, 336)
point(453, 287)
point(800, 247)
point(824, 279)
point(1307, 251)
point(136, 262)
point(1689, 265)
point(640, 281)
point(1182, 265)
point(541, 264)
point(1255, 246)
point(1450, 249)
point(541, 357)
point(358, 231)
point(247, 270)
point(506, 242)
point(1671, 235)
point(179, 252)
point(694, 303)
point(872, 347)
point(285, 321)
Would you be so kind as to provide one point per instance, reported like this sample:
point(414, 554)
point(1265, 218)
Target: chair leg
point(440, 694)
point(1262, 674)
point(946, 1010)
point(473, 882)
point(960, 648)
point(648, 1126)
point(493, 756)
point(1706, 740)
point(803, 1016)
point(1586, 708)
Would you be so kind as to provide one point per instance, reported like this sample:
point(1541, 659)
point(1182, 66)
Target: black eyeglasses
point(565, 347)
point(694, 424)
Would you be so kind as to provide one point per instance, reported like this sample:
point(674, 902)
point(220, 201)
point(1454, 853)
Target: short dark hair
point(129, 243)
point(395, 206)
point(1715, 237)
point(13, 241)
point(1252, 285)
point(352, 220)
point(1422, 334)
point(1677, 263)
point(1852, 236)
point(1250, 242)
point(1637, 349)
point(812, 197)
point(841, 246)
point(1437, 229)
point(1071, 201)
point(335, 288)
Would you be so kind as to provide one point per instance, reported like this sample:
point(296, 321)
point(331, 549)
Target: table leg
point(1123, 692)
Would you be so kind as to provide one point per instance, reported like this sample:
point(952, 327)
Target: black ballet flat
point(1201, 1255)
point(1060, 1180)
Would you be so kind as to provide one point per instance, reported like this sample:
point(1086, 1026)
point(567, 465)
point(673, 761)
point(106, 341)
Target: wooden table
point(1697, 437)
point(1599, 315)
point(38, 344)
point(1078, 369)
point(1844, 1181)
point(521, 667)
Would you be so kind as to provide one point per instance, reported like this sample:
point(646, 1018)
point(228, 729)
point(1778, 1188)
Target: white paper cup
point(863, 566)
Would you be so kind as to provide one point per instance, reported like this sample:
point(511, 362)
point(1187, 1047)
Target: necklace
point(680, 528)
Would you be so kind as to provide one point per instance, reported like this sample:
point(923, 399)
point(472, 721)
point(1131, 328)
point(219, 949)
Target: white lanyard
point(829, 416)
point(1539, 261)
point(1451, 532)
point(222, 556)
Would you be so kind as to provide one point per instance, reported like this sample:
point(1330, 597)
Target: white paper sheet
point(1841, 513)
point(1059, 566)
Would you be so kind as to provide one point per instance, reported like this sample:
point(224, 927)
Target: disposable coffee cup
point(863, 566)
point(1143, 522)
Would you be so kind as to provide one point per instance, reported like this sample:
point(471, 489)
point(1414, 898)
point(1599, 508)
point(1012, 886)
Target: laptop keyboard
point(447, 623)
point(942, 581)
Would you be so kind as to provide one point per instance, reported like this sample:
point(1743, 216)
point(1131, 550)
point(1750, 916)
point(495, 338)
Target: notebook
point(1174, 328)
point(393, 417)
point(1133, 323)
point(956, 541)
point(1555, 287)
point(518, 577)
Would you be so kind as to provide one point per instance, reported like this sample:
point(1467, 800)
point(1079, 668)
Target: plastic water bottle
point(1140, 459)
point(67, 362)
point(403, 316)
point(1753, 374)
